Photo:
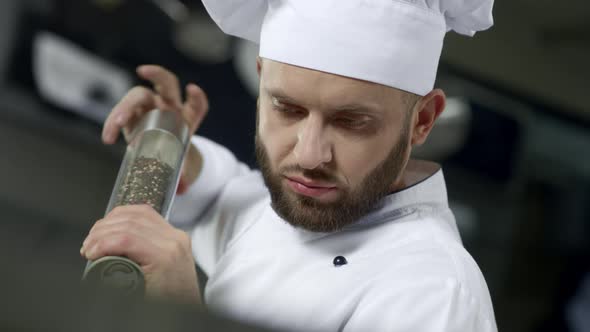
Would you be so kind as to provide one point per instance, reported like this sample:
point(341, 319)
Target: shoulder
point(426, 274)
point(422, 303)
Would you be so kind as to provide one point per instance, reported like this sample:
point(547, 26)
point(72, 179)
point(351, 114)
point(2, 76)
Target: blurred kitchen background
point(514, 140)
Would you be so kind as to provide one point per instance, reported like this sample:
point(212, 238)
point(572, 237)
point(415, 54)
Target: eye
point(353, 123)
point(286, 110)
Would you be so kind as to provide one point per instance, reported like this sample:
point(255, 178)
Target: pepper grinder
point(149, 174)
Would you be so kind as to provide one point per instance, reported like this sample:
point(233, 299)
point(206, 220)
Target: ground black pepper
point(146, 182)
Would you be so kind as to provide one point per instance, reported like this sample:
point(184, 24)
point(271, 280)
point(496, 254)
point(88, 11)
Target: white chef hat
point(396, 43)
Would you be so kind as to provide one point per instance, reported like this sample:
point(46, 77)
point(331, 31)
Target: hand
point(166, 97)
point(163, 252)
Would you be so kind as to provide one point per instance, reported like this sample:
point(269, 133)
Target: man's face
point(329, 147)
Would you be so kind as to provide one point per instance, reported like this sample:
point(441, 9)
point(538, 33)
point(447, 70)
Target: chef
point(339, 229)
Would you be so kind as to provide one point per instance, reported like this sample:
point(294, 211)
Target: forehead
point(319, 88)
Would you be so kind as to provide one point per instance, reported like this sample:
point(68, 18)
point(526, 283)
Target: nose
point(313, 148)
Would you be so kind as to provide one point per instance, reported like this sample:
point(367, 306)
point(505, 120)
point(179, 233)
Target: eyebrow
point(281, 96)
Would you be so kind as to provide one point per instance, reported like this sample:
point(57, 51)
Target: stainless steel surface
point(116, 273)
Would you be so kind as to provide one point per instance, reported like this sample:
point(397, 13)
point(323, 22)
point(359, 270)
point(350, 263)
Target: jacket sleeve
point(219, 167)
point(425, 304)
point(212, 209)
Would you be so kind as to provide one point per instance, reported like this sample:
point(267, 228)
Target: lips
point(310, 188)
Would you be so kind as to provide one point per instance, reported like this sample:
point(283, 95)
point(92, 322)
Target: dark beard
point(307, 213)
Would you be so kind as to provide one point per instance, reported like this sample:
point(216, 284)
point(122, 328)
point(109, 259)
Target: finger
point(126, 222)
point(182, 187)
point(165, 83)
point(85, 242)
point(196, 106)
point(128, 227)
point(136, 220)
point(138, 100)
point(133, 246)
point(144, 214)
point(98, 233)
point(135, 211)
point(119, 214)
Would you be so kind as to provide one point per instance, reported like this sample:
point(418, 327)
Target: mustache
point(312, 174)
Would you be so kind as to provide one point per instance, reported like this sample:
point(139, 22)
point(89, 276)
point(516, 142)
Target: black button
point(340, 260)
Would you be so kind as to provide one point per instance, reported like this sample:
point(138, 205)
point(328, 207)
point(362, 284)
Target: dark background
point(518, 170)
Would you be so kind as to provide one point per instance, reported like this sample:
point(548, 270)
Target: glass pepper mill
point(149, 174)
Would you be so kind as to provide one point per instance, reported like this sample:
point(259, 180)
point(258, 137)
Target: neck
point(414, 172)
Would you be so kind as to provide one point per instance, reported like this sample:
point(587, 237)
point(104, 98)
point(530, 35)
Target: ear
point(427, 110)
point(258, 65)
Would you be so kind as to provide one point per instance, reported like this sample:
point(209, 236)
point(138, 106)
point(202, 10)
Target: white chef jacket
point(406, 267)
